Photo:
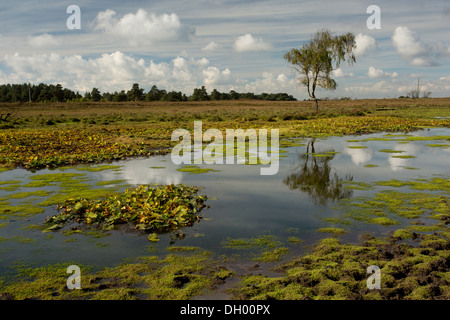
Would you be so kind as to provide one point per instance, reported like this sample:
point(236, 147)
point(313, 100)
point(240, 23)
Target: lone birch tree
point(316, 60)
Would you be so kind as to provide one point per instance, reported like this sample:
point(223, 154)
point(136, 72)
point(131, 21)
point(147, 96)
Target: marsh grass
point(99, 132)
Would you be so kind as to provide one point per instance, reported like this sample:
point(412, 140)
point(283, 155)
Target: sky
point(223, 44)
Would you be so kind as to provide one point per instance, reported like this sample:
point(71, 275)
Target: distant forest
point(56, 93)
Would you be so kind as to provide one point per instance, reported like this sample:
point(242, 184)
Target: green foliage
point(314, 61)
point(150, 209)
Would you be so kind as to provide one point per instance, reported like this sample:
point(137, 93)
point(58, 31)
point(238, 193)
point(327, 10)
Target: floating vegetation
point(403, 157)
point(97, 168)
point(390, 151)
point(357, 185)
point(386, 207)
point(294, 239)
point(336, 231)
point(436, 145)
point(370, 165)
point(106, 183)
point(248, 243)
point(195, 169)
point(149, 208)
point(357, 147)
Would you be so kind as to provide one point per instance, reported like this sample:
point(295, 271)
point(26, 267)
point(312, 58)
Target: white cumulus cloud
point(409, 45)
point(211, 47)
point(378, 73)
point(248, 42)
point(339, 73)
point(407, 42)
point(44, 40)
point(364, 44)
point(143, 27)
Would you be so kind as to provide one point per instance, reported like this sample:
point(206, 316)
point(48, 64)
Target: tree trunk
point(316, 104)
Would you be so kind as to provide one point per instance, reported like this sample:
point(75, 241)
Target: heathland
point(414, 259)
point(41, 135)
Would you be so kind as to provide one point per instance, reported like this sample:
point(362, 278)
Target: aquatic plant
point(148, 208)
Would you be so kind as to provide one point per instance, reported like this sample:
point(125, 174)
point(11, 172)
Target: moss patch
point(177, 276)
point(339, 271)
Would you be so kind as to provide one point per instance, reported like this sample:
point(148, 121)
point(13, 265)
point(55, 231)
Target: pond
point(317, 181)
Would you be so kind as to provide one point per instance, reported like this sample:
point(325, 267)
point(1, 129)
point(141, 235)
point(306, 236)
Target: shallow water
point(246, 204)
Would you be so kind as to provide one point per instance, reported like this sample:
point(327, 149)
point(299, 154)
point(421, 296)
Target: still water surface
point(244, 204)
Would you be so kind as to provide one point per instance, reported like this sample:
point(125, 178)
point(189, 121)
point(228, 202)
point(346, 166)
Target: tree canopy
point(316, 60)
point(56, 93)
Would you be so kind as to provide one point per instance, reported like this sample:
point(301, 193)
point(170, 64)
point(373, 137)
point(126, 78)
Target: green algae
point(357, 185)
point(404, 157)
point(22, 195)
point(97, 168)
point(425, 138)
point(106, 183)
point(335, 231)
point(182, 248)
point(390, 151)
point(10, 182)
point(388, 207)
point(357, 147)
point(370, 165)
point(267, 241)
point(272, 255)
point(437, 145)
point(195, 169)
point(20, 210)
point(38, 184)
point(384, 221)
point(432, 184)
point(10, 185)
point(294, 239)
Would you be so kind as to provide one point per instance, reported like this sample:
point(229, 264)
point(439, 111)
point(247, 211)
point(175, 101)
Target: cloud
point(45, 40)
point(359, 156)
point(338, 73)
point(113, 72)
point(378, 73)
point(248, 43)
point(407, 42)
point(213, 76)
point(143, 27)
point(411, 47)
point(211, 47)
point(271, 83)
point(364, 44)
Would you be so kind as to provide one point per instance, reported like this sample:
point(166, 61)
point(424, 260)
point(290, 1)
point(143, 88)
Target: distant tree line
point(56, 93)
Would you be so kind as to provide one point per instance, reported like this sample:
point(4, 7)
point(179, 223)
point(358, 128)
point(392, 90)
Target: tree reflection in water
point(313, 176)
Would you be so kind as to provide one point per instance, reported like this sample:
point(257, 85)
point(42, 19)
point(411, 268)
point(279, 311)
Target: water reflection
point(313, 176)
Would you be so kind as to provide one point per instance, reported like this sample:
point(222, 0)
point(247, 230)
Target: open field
point(50, 135)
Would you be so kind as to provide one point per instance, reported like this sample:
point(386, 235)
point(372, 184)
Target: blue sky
point(223, 44)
